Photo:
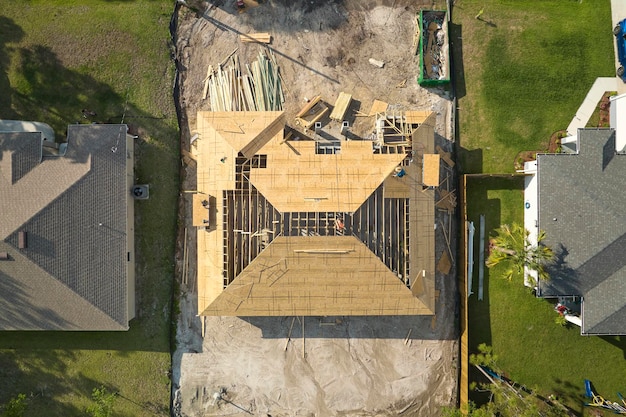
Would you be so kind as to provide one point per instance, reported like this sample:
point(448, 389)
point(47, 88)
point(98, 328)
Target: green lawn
point(527, 66)
point(57, 58)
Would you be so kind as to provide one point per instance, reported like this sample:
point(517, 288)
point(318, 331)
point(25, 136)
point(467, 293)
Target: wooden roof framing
point(298, 179)
point(431, 170)
point(316, 276)
point(308, 275)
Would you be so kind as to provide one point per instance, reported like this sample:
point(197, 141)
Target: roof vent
point(141, 191)
point(21, 240)
point(4, 256)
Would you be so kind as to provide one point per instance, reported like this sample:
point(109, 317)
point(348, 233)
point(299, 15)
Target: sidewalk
point(590, 102)
point(602, 84)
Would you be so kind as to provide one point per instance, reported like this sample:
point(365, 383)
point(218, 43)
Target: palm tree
point(512, 246)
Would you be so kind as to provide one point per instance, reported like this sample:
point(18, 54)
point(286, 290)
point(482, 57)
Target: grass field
point(526, 67)
point(111, 57)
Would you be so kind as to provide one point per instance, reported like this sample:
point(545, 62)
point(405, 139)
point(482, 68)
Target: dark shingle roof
point(581, 203)
point(73, 273)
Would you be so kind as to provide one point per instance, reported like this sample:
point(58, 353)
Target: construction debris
point(447, 201)
point(377, 63)
point(434, 48)
point(445, 156)
point(258, 88)
point(311, 113)
point(444, 265)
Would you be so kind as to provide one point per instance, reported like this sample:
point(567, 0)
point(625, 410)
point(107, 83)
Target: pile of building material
point(256, 88)
point(311, 113)
point(434, 47)
point(433, 58)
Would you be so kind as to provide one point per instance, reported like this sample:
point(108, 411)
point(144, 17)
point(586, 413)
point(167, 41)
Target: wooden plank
point(341, 106)
point(445, 156)
point(307, 108)
point(417, 117)
point(188, 156)
point(200, 210)
point(206, 82)
point(444, 265)
point(378, 107)
point(262, 37)
point(316, 284)
point(430, 177)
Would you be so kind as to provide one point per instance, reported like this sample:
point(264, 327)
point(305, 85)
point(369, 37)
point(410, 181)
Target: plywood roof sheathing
point(269, 196)
point(378, 107)
point(200, 210)
point(317, 284)
point(431, 170)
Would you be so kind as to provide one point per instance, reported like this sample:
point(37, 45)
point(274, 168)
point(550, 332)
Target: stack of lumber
point(341, 106)
point(256, 37)
point(235, 87)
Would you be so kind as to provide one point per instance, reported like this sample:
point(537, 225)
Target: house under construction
point(291, 227)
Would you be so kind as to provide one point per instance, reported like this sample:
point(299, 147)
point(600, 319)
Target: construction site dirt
point(315, 366)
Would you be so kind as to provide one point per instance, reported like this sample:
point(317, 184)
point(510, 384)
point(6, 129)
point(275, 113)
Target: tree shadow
point(470, 161)
point(9, 33)
point(44, 377)
point(568, 393)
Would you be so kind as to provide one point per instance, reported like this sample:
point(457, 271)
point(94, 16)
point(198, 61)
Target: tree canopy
point(512, 247)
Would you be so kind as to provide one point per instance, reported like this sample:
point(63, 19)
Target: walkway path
point(602, 84)
point(589, 104)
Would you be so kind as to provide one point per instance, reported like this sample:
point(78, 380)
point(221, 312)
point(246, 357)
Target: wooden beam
point(263, 37)
point(341, 106)
point(445, 156)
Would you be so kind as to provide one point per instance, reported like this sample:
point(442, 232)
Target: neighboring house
point(66, 230)
point(580, 200)
point(307, 227)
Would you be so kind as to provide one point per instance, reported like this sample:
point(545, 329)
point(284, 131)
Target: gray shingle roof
point(581, 204)
point(73, 273)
